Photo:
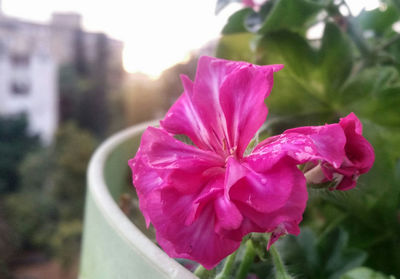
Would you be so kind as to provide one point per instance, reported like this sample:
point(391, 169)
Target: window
point(20, 82)
point(20, 87)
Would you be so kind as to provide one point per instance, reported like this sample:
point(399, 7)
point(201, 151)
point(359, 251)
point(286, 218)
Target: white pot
point(113, 247)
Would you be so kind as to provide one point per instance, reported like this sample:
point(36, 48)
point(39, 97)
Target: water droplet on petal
point(263, 180)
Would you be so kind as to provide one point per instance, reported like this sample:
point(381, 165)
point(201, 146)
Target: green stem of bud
point(247, 260)
point(204, 273)
point(280, 270)
point(227, 269)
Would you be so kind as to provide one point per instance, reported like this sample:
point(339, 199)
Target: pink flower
point(358, 158)
point(203, 198)
point(255, 4)
point(249, 3)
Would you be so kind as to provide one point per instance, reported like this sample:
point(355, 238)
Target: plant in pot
point(217, 192)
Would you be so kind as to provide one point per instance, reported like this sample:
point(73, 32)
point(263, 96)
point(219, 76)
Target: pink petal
point(342, 150)
point(143, 175)
point(218, 84)
point(305, 144)
point(288, 215)
point(273, 149)
point(256, 5)
point(163, 161)
point(168, 210)
point(358, 150)
point(249, 3)
point(182, 118)
point(226, 97)
point(352, 123)
point(328, 141)
point(266, 191)
point(242, 97)
point(212, 190)
point(360, 154)
point(228, 216)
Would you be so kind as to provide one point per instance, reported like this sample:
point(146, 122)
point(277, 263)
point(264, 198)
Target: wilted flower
point(203, 198)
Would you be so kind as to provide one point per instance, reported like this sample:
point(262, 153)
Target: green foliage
point(365, 273)
point(48, 210)
point(349, 69)
point(236, 46)
point(65, 242)
point(327, 257)
point(335, 58)
point(85, 86)
point(236, 22)
point(378, 20)
point(15, 143)
point(289, 15)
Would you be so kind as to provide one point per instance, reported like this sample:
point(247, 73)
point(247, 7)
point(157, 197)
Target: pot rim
point(116, 218)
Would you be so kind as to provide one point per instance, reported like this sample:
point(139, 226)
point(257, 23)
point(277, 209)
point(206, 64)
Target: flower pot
point(113, 247)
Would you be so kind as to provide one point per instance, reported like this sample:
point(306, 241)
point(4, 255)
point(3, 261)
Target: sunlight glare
point(156, 33)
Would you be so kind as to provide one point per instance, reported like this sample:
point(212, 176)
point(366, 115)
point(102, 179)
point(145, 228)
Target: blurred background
point(74, 72)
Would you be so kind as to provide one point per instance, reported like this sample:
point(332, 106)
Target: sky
point(156, 33)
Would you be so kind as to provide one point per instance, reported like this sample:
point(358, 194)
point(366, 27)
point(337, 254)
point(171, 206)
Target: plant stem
point(227, 269)
point(389, 42)
point(204, 273)
point(281, 272)
point(353, 30)
point(247, 260)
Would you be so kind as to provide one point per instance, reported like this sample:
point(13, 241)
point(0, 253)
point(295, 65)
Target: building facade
point(31, 55)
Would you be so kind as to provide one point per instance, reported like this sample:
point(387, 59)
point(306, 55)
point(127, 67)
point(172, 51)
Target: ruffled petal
point(266, 191)
point(146, 180)
point(360, 154)
point(342, 152)
point(328, 142)
point(228, 216)
point(224, 107)
point(290, 214)
point(303, 145)
point(168, 210)
point(359, 151)
point(351, 123)
point(279, 220)
point(172, 163)
point(183, 118)
point(242, 96)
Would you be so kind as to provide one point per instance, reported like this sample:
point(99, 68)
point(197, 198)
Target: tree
point(15, 143)
point(85, 88)
point(53, 183)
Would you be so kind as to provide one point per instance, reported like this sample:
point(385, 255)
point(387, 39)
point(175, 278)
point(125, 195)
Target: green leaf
point(349, 259)
point(290, 49)
point(236, 21)
point(335, 58)
point(327, 257)
point(297, 92)
point(369, 83)
point(236, 47)
point(378, 20)
point(289, 15)
point(365, 273)
point(386, 108)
